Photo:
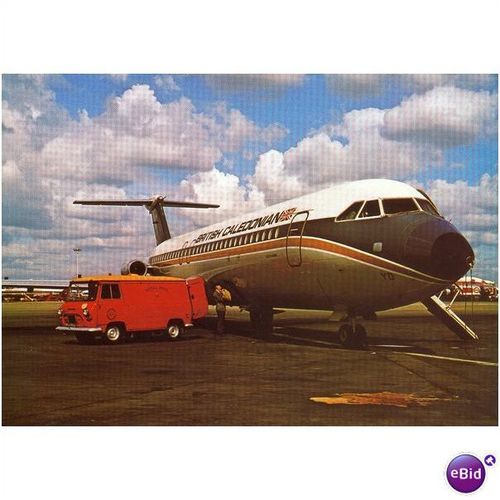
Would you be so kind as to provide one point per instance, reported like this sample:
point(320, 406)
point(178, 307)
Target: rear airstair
point(444, 313)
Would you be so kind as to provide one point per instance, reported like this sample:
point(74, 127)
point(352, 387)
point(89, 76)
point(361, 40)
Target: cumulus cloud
point(351, 150)
point(51, 159)
point(272, 181)
point(472, 208)
point(355, 85)
point(136, 130)
point(424, 82)
point(443, 116)
point(166, 82)
point(25, 199)
point(254, 83)
point(220, 188)
point(118, 77)
point(363, 85)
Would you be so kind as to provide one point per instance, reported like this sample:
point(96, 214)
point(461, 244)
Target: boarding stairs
point(444, 313)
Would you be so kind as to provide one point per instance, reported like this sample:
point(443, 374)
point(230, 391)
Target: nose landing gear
point(352, 334)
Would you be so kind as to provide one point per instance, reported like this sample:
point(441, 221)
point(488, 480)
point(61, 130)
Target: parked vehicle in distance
point(114, 307)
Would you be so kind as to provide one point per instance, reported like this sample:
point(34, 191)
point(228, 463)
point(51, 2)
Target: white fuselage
point(272, 254)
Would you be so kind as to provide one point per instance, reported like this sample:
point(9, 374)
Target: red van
point(113, 307)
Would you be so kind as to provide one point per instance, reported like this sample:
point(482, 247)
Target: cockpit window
point(370, 209)
point(399, 205)
point(350, 212)
point(427, 206)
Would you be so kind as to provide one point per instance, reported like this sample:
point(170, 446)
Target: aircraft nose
point(436, 247)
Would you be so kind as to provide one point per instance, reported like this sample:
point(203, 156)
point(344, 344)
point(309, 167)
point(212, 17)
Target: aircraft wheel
point(352, 338)
point(360, 336)
point(262, 319)
point(114, 334)
point(174, 330)
point(346, 335)
point(85, 338)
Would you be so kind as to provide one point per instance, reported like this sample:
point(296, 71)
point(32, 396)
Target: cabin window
point(426, 206)
point(399, 205)
point(277, 232)
point(370, 209)
point(350, 212)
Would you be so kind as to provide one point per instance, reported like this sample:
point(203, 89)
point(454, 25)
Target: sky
point(242, 141)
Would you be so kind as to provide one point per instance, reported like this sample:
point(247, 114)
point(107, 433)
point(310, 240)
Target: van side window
point(350, 212)
point(106, 292)
point(115, 292)
point(110, 292)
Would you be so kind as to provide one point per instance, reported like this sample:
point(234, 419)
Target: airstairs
point(444, 313)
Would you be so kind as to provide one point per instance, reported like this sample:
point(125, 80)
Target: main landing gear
point(352, 334)
point(261, 317)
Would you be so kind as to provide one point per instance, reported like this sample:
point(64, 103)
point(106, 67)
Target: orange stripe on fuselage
point(309, 243)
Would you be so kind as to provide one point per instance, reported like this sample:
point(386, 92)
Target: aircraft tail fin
point(155, 207)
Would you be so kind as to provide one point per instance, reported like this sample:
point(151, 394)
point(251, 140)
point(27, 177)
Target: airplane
point(354, 248)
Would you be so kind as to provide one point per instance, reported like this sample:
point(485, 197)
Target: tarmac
point(414, 372)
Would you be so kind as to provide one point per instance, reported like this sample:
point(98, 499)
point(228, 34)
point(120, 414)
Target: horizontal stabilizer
point(444, 313)
point(155, 208)
point(141, 203)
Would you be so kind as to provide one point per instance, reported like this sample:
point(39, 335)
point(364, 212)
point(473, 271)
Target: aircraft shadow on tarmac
point(311, 337)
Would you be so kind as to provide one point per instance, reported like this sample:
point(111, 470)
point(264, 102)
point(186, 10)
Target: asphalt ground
point(427, 376)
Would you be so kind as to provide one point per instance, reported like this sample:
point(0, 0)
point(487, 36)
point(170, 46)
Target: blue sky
point(243, 140)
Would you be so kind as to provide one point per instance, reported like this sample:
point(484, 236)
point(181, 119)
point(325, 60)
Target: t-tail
point(155, 207)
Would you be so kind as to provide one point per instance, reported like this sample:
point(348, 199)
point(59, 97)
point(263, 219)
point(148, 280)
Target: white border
point(261, 36)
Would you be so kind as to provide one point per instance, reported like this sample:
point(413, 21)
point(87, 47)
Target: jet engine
point(134, 267)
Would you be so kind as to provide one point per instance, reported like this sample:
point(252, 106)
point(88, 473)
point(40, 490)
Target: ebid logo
point(466, 473)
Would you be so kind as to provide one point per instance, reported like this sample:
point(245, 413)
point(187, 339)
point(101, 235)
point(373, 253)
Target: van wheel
point(174, 331)
point(114, 334)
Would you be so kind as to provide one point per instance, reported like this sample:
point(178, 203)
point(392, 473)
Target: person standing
point(220, 308)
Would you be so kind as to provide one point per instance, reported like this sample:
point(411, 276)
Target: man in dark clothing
point(220, 308)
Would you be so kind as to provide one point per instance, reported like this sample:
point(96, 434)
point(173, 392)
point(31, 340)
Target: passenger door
point(294, 238)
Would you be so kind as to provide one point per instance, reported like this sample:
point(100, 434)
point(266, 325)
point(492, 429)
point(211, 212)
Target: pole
point(77, 251)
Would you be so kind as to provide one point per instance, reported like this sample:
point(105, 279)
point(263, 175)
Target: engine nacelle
point(134, 267)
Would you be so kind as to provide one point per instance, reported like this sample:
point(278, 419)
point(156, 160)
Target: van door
point(110, 304)
point(294, 238)
point(197, 297)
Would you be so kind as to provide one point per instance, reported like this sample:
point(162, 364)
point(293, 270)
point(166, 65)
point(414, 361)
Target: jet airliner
point(354, 248)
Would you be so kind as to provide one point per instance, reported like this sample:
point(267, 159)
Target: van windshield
point(81, 291)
